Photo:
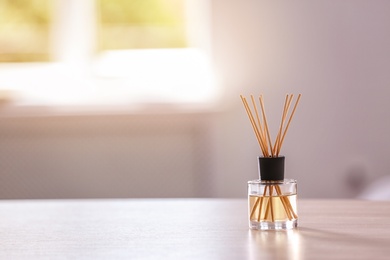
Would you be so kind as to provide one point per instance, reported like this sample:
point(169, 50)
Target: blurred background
point(140, 98)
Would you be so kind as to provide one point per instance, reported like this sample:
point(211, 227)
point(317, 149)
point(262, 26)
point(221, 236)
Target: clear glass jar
point(272, 204)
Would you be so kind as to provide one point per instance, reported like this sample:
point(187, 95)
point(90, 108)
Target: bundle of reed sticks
point(260, 124)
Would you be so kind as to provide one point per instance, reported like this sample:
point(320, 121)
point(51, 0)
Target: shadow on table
point(310, 243)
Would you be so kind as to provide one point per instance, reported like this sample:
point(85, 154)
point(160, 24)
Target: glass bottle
point(272, 200)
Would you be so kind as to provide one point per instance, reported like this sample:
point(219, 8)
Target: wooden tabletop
point(188, 229)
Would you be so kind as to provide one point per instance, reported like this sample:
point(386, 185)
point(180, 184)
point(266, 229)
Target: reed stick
point(260, 128)
point(265, 123)
point(253, 210)
point(277, 141)
point(289, 121)
point(285, 112)
point(283, 199)
point(254, 126)
point(261, 203)
point(270, 203)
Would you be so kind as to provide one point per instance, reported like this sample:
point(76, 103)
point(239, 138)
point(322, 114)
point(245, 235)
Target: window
point(105, 52)
point(24, 30)
point(141, 24)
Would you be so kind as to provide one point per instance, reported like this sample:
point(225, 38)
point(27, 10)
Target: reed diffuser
point(272, 199)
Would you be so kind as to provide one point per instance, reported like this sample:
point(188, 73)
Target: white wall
point(104, 156)
point(337, 54)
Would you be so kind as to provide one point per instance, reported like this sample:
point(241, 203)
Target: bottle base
point(278, 225)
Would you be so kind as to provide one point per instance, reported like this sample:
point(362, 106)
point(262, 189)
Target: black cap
point(271, 168)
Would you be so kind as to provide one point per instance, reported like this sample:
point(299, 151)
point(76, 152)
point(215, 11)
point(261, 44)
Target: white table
point(188, 229)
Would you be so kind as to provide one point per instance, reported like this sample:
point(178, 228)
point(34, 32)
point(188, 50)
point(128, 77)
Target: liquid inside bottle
point(272, 206)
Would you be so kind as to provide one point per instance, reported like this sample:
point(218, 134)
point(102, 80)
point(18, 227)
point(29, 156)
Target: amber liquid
point(273, 208)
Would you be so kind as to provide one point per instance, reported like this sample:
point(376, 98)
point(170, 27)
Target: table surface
point(189, 229)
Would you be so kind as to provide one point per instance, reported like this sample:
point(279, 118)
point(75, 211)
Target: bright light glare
point(163, 75)
point(173, 76)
